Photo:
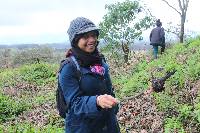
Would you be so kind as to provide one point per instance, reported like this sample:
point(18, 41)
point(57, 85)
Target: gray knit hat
point(80, 25)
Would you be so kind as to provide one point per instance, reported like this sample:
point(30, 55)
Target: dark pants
point(155, 49)
point(162, 49)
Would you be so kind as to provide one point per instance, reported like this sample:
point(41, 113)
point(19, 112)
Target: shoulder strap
point(103, 58)
point(75, 63)
point(68, 60)
point(62, 63)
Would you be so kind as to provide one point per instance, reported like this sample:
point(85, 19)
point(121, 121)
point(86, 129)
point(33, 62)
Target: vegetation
point(179, 103)
point(28, 79)
point(27, 94)
point(123, 24)
point(11, 57)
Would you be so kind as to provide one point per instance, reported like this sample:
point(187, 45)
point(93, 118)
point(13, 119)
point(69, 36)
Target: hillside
point(27, 94)
point(176, 109)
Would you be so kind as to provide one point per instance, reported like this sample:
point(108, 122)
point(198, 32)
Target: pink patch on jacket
point(97, 68)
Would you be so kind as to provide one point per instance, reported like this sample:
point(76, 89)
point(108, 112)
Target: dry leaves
point(140, 115)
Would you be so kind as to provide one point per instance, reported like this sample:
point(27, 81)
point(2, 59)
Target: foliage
point(11, 57)
point(185, 111)
point(179, 101)
point(33, 55)
point(10, 108)
point(5, 56)
point(123, 23)
point(178, 104)
point(173, 125)
point(197, 111)
point(16, 82)
point(9, 77)
point(28, 128)
point(40, 74)
point(175, 58)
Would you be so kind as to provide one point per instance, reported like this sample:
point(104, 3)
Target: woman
point(92, 106)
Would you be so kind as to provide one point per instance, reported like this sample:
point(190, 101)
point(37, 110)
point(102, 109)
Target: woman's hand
point(106, 101)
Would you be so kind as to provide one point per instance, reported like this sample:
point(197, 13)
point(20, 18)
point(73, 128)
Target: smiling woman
point(88, 41)
point(92, 103)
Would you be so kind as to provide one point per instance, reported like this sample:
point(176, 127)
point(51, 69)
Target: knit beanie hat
point(79, 26)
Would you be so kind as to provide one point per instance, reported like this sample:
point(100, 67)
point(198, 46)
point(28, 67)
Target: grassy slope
point(27, 97)
point(181, 91)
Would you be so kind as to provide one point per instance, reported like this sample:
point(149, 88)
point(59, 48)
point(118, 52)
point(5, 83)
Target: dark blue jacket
point(157, 36)
point(84, 116)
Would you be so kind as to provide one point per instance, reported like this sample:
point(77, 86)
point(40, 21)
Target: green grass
point(185, 59)
point(182, 57)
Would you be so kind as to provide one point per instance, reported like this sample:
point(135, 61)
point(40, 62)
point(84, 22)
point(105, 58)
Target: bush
point(40, 74)
point(29, 128)
point(10, 108)
point(173, 125)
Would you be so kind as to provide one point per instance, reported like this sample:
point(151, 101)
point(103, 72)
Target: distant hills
point(139, 45)
point(25, 46)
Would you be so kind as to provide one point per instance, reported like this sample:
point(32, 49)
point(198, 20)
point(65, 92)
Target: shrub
point(10, 108)
point(40, 74)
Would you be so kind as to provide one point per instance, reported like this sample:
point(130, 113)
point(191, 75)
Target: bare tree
point(183, 6)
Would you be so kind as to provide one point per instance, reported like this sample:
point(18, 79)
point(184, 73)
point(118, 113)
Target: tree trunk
point(183, 5)
point(182, 28)
point(126, 51)
point(125, 58)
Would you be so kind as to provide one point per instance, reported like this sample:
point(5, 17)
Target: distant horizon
point(145, 40)
point(66, 42)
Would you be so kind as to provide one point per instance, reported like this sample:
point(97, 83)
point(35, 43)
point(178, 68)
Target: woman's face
point(88, 42)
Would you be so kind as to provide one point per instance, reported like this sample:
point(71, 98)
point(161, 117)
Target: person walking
point(157, 38)
point(91, 98)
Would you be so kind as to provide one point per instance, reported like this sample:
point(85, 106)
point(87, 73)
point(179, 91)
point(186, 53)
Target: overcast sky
point(46, 21)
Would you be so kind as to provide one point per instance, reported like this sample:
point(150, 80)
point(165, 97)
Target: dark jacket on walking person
point(92, 105)
point(157, 38)
point(157, 35)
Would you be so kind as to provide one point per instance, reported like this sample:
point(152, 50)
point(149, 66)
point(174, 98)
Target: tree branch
point(173, 32)
point(171, 6)
point(183, 1)
point(186, 5)
point(180, 5)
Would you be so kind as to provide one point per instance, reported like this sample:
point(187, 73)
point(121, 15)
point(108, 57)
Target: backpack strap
point(74, 62)
point(103, 58)
point(62, 63)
